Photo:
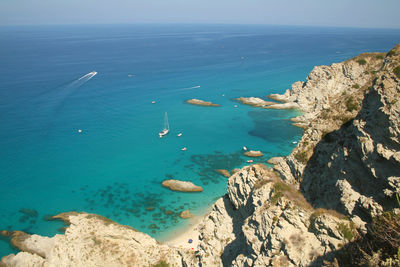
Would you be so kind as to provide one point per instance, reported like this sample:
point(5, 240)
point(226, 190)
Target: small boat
point(184, 149)
point(235, 106)
point(153, 102)
point(165, 130)
point(294, 142)
point(179, 134)
point(250, 161)
point(79, 130)
point(245, 148)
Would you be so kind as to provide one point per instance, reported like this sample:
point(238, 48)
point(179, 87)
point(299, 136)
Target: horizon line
point(199, 23)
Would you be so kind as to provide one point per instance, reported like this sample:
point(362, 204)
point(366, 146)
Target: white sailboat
point(166, 127)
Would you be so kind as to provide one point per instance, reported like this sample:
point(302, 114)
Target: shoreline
point(180, 237)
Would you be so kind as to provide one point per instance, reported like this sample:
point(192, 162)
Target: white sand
point(181, 238)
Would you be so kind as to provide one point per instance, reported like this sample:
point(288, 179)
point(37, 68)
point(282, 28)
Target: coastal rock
point(235, 171)
point(257, 214)
point(5, 233)
point(186, 214)
point(254, 101)
point(223, 172)
point(182, 186)
point(92, 240)
point(199, 102)
point(274, 160)
point(253, 153)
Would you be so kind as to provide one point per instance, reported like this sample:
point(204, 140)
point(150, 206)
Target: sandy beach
point(181, 238)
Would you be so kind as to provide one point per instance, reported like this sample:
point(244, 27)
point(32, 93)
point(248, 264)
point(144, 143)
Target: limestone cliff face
point(348, 160)
point(348, 157)
point(263, 221)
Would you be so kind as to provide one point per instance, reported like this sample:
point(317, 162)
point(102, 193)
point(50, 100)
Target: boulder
point(199, 102)
point(182, 186)
point(253, 153)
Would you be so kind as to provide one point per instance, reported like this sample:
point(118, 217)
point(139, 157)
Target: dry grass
point(318, 212)
point(282, 189)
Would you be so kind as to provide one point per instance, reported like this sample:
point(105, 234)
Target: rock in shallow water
point(186, 214)
point(253, 153)
point(182, 186)
point(223, 172)
point(201, 103)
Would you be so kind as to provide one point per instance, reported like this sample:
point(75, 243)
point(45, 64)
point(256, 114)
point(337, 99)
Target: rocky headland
point(313, 204)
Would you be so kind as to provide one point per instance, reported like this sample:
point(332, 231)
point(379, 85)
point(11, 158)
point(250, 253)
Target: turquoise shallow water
point(115, 166)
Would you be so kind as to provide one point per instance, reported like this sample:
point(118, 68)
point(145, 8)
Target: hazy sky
point(352, 13)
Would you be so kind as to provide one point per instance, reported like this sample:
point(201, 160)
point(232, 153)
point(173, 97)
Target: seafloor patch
point(276, 129)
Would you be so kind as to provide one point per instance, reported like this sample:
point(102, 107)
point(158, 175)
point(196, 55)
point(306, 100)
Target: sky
point(342, 13)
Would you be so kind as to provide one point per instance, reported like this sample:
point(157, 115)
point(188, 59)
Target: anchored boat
point(165, 131)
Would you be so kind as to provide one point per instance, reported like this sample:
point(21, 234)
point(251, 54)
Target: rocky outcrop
point(254, 101)
point(253, 153)
point(92, 240)
point(199, 102)
point(182, 186)
point(347, 158)
point(263, 221)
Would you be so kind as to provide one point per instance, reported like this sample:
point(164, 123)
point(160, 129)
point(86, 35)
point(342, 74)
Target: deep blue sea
point(115, 166)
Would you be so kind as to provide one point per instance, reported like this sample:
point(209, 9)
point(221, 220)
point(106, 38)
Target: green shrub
point(362, 61)
point(290, 192)
point(346, 230)
point(301, 157)
point(391, 53)
point(397, 71)
point(161, 264)
point(356, 86)
point(379, 57)
point(351, 104)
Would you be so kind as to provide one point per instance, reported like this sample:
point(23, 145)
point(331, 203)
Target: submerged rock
point(223, 172)
point(199, 102)
point(182, 186)
point(186, 214)
point(29, 212)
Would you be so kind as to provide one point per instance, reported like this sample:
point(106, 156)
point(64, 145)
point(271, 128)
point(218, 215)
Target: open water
point(115, 166)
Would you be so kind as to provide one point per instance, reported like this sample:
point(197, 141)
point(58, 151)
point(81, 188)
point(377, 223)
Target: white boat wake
point(82, 80)
point(88, 76)
point(193, 87)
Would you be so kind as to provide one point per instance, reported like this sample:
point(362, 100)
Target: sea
point(75, 140)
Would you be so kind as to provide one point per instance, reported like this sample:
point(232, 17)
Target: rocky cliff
point(345, 169)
